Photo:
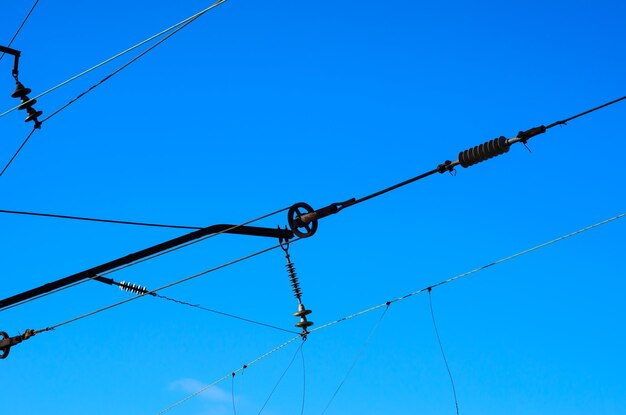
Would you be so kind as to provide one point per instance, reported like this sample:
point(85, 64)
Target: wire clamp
point(446, 166)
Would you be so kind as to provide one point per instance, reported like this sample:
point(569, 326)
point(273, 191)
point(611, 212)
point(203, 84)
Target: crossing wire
point(148, 258)
point(404, 297)
point(124, 52)
point(113, 221)
point(6, 166)
point(175, 29)
point(17, 32)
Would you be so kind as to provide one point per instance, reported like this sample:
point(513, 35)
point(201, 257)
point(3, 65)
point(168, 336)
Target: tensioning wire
point(148, 258)
point(143, 42)
point(113, 221)
point(17, 32)
point(221, 313)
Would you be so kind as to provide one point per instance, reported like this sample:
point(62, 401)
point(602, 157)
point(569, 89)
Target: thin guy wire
point(199, 307)
point(357, 357)
point(20, 28)
point(199, 274)
point(349, 317)
point(500, 261)
point(82, 218)
point(161, 33)
point(146, 259)
point(232, 392)
point(18, 151)
point(115, 72)
point(241, 369)
point(303, 381)
point(281, 377)
point(432, 314)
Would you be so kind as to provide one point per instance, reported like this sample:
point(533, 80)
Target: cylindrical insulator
point(133, 288)
point(293, 276)
point(483, 152)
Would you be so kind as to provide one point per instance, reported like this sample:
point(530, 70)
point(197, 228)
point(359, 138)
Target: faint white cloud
point(189, 386)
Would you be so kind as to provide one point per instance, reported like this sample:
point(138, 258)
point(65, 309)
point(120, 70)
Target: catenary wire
point(404, 297)
point(445, 361)
point(240, 370)
point(468, 273)
point(113, 221)
point(19, 29)
point(82, 94)
point(357, 357)
point(6, 166)
point(280, 379)
point(143, 42)
point(149, 258)
point(176, 29)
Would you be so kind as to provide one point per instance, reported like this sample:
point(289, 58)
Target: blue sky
point(259, 105)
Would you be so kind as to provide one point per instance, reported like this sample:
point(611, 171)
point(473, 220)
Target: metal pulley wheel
point(4, 352)
point(300, 228)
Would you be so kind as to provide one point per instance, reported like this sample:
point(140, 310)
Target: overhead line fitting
point(303, 218)
point(302, 312)
point(21, 91)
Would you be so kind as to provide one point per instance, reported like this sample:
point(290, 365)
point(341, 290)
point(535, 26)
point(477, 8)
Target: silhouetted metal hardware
point(16, 58)
point(302, 218)
point(21, 91)
point(7, 342)
point(302, 312)
point(93, 273)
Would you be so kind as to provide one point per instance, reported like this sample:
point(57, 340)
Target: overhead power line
point(303, 219)
point(174, 29)
point(19, 29)
point(97, 272)
point(404, 297)
point(124, 52)
point(82, 218)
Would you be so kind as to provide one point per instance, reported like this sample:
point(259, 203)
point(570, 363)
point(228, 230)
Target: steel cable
point(143, 42)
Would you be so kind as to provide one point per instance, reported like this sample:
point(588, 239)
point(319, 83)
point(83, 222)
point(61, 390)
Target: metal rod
point(116, 263)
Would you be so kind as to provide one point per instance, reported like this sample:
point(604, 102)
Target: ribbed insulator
point(133, 288)
point(483, 152)
point(293, 277)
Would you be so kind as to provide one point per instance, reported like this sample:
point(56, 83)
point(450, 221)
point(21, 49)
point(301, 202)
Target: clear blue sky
point(259, 105)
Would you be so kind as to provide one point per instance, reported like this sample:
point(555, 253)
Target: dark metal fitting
point(445, 166)
point(525, 135)
point(302, 313)
point(7, 342)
